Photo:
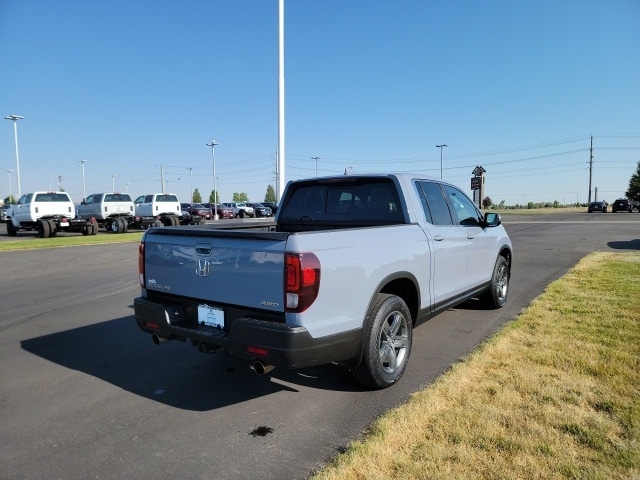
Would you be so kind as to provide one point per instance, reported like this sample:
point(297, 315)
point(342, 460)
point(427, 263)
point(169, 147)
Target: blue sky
point(130, 85)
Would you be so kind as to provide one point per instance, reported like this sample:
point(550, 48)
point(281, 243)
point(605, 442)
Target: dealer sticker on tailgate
point(210, 316)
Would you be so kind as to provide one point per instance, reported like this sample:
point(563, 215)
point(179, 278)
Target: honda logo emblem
point(202, 268)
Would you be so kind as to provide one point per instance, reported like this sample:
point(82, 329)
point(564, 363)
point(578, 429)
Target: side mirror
point(492, 220)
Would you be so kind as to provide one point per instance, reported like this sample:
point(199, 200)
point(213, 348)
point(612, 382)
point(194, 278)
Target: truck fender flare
point(402, 284)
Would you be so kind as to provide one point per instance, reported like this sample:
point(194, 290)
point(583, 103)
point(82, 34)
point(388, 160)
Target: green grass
point(68, 241)
point(554, 395)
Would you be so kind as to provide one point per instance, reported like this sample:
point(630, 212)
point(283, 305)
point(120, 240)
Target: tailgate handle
point(203, 249)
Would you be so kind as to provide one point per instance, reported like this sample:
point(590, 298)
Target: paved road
point(84, 394)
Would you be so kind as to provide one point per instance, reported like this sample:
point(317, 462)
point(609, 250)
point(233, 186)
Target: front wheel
point(11, 230)
point(496, 296)
point(387, 343)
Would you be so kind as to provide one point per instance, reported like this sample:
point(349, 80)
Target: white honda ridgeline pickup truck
point(352, 265)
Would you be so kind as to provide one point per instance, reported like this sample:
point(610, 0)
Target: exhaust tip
point(260, 368)
point(158, 340)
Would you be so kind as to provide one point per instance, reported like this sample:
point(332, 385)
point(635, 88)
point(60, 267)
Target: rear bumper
point(278, 344)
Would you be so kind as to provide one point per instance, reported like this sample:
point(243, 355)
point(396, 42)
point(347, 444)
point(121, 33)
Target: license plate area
point(211, 316)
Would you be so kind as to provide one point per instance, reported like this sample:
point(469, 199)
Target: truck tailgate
point(241, 268)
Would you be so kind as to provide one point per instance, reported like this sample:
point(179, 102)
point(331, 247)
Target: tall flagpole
point(281, 157)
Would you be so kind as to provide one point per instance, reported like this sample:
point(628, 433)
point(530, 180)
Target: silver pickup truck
point(352, 264)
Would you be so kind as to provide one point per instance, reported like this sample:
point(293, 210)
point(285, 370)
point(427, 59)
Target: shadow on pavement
point(175, 374)
point(625, 245)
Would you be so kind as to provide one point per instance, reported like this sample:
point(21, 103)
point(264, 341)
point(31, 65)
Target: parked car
point(233, 207)
point(621, 205)
point(3, 214)
point(272, 206)
point(198, 209)
point(260, 210)
point(223, 211)
point(597, 207)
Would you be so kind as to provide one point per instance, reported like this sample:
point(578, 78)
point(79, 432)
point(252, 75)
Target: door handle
point(470, 237)
point(438, 238)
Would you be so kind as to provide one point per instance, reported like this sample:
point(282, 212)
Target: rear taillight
point(141, 264)
point(302, 281)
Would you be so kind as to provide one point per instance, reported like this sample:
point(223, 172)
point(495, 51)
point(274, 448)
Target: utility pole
point(14, 119)
point(84, 188)
point(590, 168)
point(441, 147)
point(316, 159)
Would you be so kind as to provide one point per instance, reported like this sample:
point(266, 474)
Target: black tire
point(115, 226)
point(44, 230)
point(167, 221)
point(241, 213)
point(94, 228)
point(11, 230)
point(496, 296)
point(387, 343)
point(86, 230)
point(53, 228)
point(125, 225)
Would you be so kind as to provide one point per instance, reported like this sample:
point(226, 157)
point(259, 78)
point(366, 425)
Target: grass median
point(68, 241)
point(553, 395)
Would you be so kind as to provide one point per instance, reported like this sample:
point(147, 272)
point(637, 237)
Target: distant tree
point(240, 197)
point(270, 196)
point(213, 197)
point(487, 202)
point(633, 193)
point(196, 196)
point(9, 200)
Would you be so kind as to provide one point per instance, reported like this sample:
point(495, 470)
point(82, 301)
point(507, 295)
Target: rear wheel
point(496, 296)
point(44, 230)
point(125, 225)
point(387, 343)
point(94, 228)
point(53, 229)
point(115, 226)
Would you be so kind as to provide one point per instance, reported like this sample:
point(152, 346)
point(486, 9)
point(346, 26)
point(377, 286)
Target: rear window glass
point(52, 197)
point(166, 198)
point(372, 201)
point(117, 197)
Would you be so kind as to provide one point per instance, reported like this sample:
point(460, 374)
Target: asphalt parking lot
point(85, 394)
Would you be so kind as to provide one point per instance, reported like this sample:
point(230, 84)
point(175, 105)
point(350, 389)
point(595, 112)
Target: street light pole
point(316, 159)
point(10, 194)
point(215, 193)
point(190, 184)
point(113, 183)
point(15, 119)
point(441, 147)
point(84, 187)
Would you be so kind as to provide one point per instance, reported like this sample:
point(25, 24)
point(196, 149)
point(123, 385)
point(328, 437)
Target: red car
point(197, 209)
point(223, 212)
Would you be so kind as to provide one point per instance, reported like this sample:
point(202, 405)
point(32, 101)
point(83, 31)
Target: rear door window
point(434, 203)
